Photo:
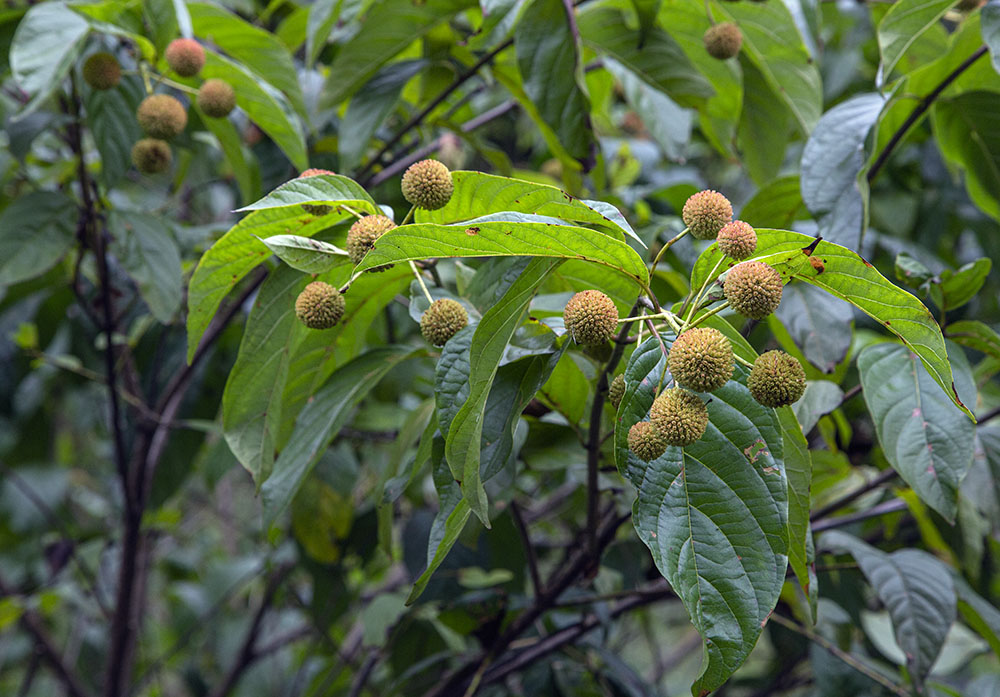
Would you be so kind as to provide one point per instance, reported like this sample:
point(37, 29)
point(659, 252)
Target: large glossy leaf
point(967, 127)
point(847, 276)
point(47, 42)
point(977, 612)
point(917, 590)
point(714, 514)
point(903, 25)
point(257, 49)
point(242, 162)
point(658, 59)
point(36, 230)
point(111, 119)
point(488, 344)
point(145, 247)
point(777, 204)
point(798, 469)
point(832, 162)
point(332, 189)
point(548, 55)
point(819, 324)
point(773, 43)
point(321, 420)
point(429, 241)
point(388, 28)
point(925, 438)
point(976, 335)
point(765, 125)
point(306, 254)
point(669, 124)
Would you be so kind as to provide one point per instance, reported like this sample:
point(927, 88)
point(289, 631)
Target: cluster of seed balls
point(426, 184)
point(701, 359)
point(162, 116)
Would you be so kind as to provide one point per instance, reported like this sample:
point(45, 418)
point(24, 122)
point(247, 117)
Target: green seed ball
point(701, 359)
point(776, 379)
point(646, 441)
point(186, 57)
point(591, 317)
point(161, 116)
point(616, 391)
point(680, 416)
point(427, 184)
point(442, 320)
point(737, 240)
point(753, 289)
point(705, 213)
point(216, 98)
point(102, 71)
point(151, 156)
point(319, 305)
point(723, 40)
point(362, 235)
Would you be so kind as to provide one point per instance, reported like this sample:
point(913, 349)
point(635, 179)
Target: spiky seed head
point(753, 289)
point(442, 320)
point(776, 379)
point(723, 40)
point(102, 71)
point(591, 317)
point(319, 305)
point(161, 116)
point(616, 390)
point(701, 359)
point(646, 441)
point(737, 240)
point(186, 57)
point(362, 235)
point(314, 172)
point(427, 184)
point(216, 98)
point(680, 416)
point(151, 155)
point(705, 213)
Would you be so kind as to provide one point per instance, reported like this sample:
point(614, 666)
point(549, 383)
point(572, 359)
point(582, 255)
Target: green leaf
point(331, 189)
point(369, 109)
point(243, 164)
point(111, 119)
point(967, 127)
point(990, 17)
point(495, 239)
point(776, 204)
point(960, 286)
point(323, 17)
point(917, 590)
point(924, 437)
point(387, 29)
point(668, 123)
point(798, 470)
point(849, 277)
point(772, 41)
point(832, 163)
point(321, 420)
point(548, 56)
point(819, 324)
point(983, 617)
point(714, 514)
point(46, 44)
point(976, 335)
point(306, 254)
point(36, 230)
point(911, 272)
point(488, 344)
point(146, 249)
point(904, 23)
point(657, 59)
point(820, 398)
point(765, 125)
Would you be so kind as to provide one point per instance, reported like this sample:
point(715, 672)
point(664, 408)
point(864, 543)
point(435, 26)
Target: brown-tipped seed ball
point(314, 172)
point(319, 305)
point(701, 359)
point(737, 240)
point(216, 98)
point(753, 289)
point(646, 441)
point(723, 40)
point(185, 57)
point(705, 213)
point(102, 71)
point(442, 320)
point(161, 116)
point(151, 156)
point(427, 184)
point(776, 379)
point(362, 235)
point(616, 390)
point(591, 317)
point(680, 416)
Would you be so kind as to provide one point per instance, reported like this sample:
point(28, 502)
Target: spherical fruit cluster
point(646, 441)
point(723, 40)
point(319, 305)
point(680, 416)
point(753, 289)
point(216, 98)
point(705, 213)
point(616, 390)
point(701, 359)
point(591, 317)
point(737, 240)
point(102, 71)
point(442, 320)
point(161, 116)
point(151, 156)
point(362, 235)
point(314, 172)
point(427, 184)
point(776, 379)
point(185, 57)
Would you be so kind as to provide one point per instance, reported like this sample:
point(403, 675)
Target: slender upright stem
point(420, 280)
point(702, 318)
point(409, 216)
point(667, 245)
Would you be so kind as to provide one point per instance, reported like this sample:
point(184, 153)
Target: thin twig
point(529, 548)
point(893, 506)
point(835, 505)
